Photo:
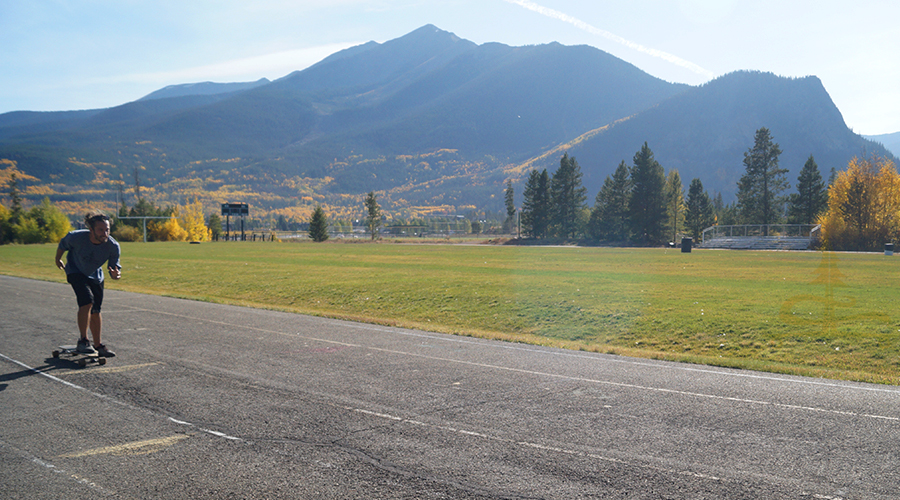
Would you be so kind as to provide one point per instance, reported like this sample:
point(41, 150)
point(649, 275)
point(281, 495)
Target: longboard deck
point(81, 358)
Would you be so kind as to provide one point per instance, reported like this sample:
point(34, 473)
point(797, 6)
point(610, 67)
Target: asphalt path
point(214, 401)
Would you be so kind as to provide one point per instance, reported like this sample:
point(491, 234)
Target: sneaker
point(102, 351)
point(84, 347)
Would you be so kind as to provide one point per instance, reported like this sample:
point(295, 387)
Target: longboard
point(82, 359)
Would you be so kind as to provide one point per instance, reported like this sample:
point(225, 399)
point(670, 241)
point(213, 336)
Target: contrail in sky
point(555, 14)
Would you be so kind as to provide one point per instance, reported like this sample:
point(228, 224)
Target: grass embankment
point(817, 314)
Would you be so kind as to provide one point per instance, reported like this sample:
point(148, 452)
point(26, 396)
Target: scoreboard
point(238, 209)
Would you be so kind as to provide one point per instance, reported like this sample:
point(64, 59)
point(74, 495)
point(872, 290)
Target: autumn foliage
point(186, 224)
point(863, 207)
point(167, 230)
point(191, 219)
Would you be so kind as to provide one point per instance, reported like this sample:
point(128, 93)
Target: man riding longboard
point(88, 249)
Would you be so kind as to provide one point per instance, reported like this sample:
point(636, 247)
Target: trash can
point(686, 245)
point(889, 249)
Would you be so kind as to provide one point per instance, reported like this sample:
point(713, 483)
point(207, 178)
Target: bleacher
point(759, 237)
point(759, 243)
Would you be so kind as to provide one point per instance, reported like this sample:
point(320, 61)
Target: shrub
point(127, 233)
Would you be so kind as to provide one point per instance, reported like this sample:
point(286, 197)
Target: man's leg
point(84, 314)
point(85, 295)
point(97, 320)
point(96, 326)
point(84, 318)
point(85, 299)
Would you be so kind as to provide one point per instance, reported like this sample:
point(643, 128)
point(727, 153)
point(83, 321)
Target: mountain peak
point(430, 37)
point(430, 30)
point(373, 64)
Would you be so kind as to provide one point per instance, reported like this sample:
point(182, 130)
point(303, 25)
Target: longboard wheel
point(82, 363)
point(101, 361)
point(55, 354)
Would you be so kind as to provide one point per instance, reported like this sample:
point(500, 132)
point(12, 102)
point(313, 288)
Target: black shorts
point(87, 291)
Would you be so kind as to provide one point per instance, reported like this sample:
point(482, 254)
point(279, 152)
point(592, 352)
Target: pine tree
point(675, 208)
point(718, 204)
point(647, 205)
point(318, 225)
point(373, 214)
point(759, 190)
point(215, 226)
point(811, 198)
point(609, 217)
point(15, 199)
point(699, 214)
point(536, 205)
point(509, 198)
point(567, 197)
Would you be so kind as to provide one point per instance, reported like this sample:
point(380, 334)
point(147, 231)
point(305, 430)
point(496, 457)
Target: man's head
point(98, 223)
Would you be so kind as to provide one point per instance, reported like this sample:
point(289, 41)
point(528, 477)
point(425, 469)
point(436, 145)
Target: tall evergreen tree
point(373, 214)
point(609, 217)
point(536, 205)
point(674, 204)
point(699, 214)
point(509, 198)
point(567, 197)
point(318, 225)
point(215, 226)
point(718, 204)
point(15, 199)
point(759, 190)
point(647, 205)
point(811, 198)
point(281, 223)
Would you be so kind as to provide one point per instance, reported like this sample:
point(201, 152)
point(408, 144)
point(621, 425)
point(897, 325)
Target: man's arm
point(59, 253)
point(114, 266)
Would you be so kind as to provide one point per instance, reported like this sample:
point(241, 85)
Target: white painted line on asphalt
point(116, 401)
point(66, 383)
point(533, 349)
point(56, 470)
point(641, 387)
point(624, 360)
point(208, 431)
point(553, 449)
point(556, 449)
point(560, 376)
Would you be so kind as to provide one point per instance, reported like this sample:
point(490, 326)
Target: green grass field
point(809, 313)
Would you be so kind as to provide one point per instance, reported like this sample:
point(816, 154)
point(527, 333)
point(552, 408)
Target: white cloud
point(274, 65)
point(555, 14)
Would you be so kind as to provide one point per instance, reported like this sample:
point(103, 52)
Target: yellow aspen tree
point(191, 219)
point(863, 206)
point(168, 230)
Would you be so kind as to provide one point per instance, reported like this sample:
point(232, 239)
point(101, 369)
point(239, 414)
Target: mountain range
point(430, 121)
point(890, 141)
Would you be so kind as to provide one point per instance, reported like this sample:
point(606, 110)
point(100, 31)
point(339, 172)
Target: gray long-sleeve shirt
point(87, 258)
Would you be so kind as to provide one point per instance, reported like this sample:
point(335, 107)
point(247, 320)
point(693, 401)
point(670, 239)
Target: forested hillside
point(704, 132)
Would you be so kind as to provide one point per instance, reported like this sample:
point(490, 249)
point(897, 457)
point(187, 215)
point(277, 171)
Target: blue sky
point(82, 54)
